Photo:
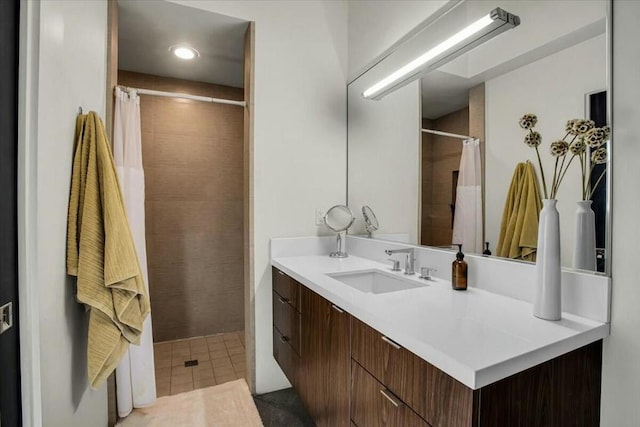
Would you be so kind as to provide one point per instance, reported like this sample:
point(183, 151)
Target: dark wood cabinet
point(286, 326)
point(286, 288)
point(287, 320)
point(374, 405)
point(326, 355)
point(564, 391)
point(288, 360)
point(434, 395)
point(349, 374)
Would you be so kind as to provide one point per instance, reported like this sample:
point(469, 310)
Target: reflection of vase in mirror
point(584, 251)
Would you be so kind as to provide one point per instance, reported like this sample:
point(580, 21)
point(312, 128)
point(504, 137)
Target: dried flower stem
point(544, 182)
point(563, 174)
point(593, 189)
point(583, 182)
point(562, 171)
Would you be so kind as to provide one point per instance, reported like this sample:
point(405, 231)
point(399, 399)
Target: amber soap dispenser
point(459, 272)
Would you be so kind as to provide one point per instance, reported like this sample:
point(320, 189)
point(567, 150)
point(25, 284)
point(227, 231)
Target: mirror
point(405, 151)
point(339, 218)
point(370, 220)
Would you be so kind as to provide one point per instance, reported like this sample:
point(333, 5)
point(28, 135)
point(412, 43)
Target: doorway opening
point(195, 127)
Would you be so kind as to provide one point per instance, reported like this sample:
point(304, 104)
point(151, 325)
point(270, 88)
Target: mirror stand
point(339, 253)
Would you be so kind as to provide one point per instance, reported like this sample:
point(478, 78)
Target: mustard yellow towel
point(519, 227)
point(101, 252)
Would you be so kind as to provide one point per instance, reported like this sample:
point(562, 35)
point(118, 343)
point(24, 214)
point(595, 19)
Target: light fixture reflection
point(470, 37)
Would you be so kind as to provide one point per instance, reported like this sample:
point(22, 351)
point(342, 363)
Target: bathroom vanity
point(426, 355)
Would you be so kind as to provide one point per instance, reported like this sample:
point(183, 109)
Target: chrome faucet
point(409, 263)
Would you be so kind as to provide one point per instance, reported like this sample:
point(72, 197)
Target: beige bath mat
point(225, 405)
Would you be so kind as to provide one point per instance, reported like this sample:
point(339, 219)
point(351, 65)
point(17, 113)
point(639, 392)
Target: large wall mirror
point(460, 119)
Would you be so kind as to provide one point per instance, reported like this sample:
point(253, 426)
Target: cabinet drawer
point(434, 395)
point(373, 405)
point(286, 287)
point(288, 360)
point(287, 320)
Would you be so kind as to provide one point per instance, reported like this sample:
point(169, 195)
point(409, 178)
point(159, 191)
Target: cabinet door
point(326, 370)
point(286, 287)
point(287, 320)
point(373, 405)
point(288, 360)
point(435, 396)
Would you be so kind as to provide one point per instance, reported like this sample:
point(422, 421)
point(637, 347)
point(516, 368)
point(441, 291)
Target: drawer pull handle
point(390, 398)
point(336, 308)
point(284, 301)
point(391, 342)
point(284, 339)
point(280, 273)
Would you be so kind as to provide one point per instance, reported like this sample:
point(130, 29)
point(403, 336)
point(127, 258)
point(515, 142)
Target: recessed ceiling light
point(184, 52)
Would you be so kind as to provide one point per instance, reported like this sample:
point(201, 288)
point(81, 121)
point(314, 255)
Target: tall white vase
point(584, 250)
point(547, 304)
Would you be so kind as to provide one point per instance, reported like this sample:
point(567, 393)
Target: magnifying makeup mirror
point(370, 220)
point(339, 218)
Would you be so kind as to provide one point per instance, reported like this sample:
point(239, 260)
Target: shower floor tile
point(220, 358)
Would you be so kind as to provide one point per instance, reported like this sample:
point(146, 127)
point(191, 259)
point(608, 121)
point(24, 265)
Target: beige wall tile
point(196, 152)
point(193, 159)
point(186, 117)
point(440, 157)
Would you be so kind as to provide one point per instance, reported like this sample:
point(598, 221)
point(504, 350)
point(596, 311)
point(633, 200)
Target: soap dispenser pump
point(459, 272)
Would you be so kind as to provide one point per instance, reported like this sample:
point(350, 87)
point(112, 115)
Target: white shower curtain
point(467, 222)
point(135, 375)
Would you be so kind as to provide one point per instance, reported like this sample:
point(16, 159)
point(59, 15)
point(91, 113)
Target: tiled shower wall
point(193, 160)
point(440, 158)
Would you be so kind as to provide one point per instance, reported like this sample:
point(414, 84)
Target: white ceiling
point(147, 29)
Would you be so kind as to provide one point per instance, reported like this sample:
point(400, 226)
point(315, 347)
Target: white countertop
point(475, 336)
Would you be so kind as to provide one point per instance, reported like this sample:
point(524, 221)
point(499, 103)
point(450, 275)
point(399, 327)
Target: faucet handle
point(425, 273)
point(396, 264)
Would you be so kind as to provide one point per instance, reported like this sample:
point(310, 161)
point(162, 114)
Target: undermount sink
point(375, 281)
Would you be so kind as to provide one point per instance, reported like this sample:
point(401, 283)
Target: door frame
point(10, 406)
point(29, 35)
point(248, 187)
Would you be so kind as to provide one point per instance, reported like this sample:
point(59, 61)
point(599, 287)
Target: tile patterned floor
point(221, 358)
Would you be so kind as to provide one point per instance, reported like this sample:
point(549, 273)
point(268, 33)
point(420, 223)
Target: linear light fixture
point(472, 36)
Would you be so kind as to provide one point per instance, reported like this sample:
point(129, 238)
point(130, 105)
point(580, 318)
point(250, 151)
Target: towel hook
point(80, 110)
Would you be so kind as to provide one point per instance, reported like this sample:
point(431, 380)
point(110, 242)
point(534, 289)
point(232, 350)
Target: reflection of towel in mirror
point(519, 228)
point(101, 252)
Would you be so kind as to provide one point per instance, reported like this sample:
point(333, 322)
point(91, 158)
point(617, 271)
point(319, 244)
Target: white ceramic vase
point(547, 304)
point(584, 250)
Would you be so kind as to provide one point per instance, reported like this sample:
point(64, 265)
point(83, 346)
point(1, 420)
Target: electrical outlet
point(319, 216)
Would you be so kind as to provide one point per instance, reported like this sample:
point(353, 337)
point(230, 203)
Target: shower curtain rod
point(452, 135)
point(184, 96)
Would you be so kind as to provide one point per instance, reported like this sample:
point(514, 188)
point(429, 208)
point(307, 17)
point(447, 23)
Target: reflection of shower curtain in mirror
point(135, 375)
point(467, 222)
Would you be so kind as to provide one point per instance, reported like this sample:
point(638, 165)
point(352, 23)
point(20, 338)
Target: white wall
point(374, 26)
point(64, 69)
point(621, 370)
point(299, 133)
point(384, 158)
point(555, 98)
